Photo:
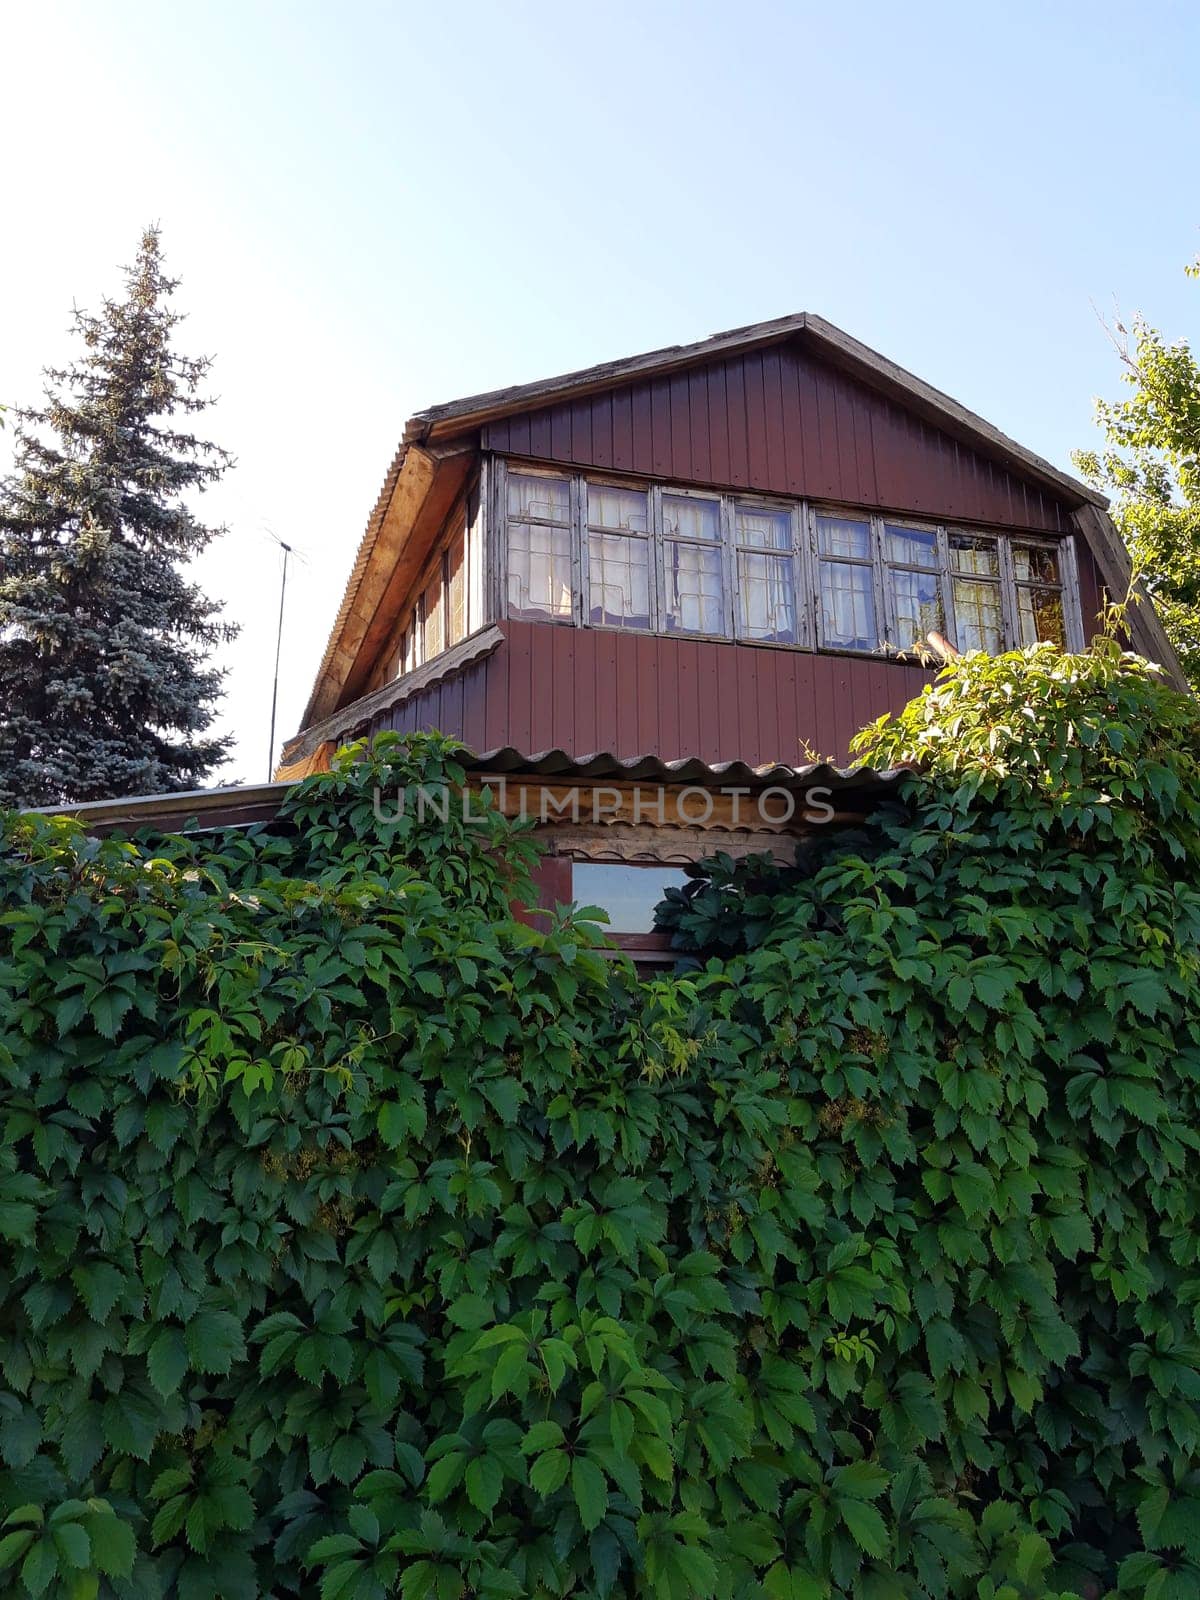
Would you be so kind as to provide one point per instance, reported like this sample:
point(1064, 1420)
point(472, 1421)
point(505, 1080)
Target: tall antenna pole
point(287, 550)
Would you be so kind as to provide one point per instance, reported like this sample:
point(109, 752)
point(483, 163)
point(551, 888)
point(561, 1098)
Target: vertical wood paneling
point(708, 678)
point(602, 430)
point(1091, 589)
point(588, 691)
point(700, 449)
point(735, 390)
point(679, 390)
point(718, 423)
point(541, 682)
point(689, 710)
point(541, 435)
point(780, 421)
point(646, 657)
point(641, 445)
point(579, 422)
point(562, 683)
point(756, 421)
point(583, 689)
point(496, 692)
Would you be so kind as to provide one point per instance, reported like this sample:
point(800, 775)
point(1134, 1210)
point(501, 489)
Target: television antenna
point(288, 551)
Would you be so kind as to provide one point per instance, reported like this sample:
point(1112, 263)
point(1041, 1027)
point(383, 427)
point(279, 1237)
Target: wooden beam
point(1095, 527)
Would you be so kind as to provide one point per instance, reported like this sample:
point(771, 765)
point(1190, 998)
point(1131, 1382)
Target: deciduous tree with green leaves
point(362, 1242)
point(105, 688)
point(1150, 465)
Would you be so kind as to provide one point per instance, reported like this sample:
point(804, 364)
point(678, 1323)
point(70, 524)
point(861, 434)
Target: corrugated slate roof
point(258, 802)
point(691, 770)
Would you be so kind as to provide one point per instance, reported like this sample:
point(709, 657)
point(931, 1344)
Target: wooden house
point(694, 574)
point(722, 553)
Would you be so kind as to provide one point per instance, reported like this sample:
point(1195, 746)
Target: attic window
point(693, 565)
point(539, 546)
point(657, 558)
point(912, 563)
point(846, 559)
point(618, 555)
point(765, 573)
point(975, 586)
point(1038, 586)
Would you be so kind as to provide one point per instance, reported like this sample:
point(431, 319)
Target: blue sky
point(376, 207)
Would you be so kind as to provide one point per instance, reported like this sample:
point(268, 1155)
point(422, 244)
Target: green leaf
point(861, 1480)
point(590, 1490)
point(113, 1547)
point(14, 1545)
point(214, 1341)
point(945, 1347)
point(40, 1566)
point(73, 1545)
point(484, 1481)
point(542, 1436)
point(167, 1361)
point(549, 1472)
point(866, 1527)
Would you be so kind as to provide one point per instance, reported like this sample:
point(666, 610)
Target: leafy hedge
point(362, 1241)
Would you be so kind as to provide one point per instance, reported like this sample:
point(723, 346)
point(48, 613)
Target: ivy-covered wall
point(361, 1241)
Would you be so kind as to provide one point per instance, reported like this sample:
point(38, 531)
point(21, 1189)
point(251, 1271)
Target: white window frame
point(1067, 585)
point(795, 512)
point(874, 561)
point(500, 543)
point(804, 552)
point(988, 536)
point(583, 533)
point(941, 574)
point(661, 539)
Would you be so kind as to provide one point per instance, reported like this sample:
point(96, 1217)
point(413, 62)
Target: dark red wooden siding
point(585, 691)
point(1091, 588)
point(779, 421)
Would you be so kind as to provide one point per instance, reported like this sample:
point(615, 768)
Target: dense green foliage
point(1150, 464)
point(103, 636)
point(365, 1242)
point(987, 1009)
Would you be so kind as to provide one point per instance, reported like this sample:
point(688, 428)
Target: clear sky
point(375, 207)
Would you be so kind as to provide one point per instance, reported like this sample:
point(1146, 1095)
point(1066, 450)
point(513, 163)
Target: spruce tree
point(104, 687)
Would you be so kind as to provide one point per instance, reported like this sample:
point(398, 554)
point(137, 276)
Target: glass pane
point(628, 893)
point(619, 580)
point(918, 606)
point(910, 547)
point(435, 633)
point(763, 528)
point(623, 509)
point(1033, 563)
point(847, 607)
point(685, 517)
point(843, 536)
point(695, 598)
point(979, 557)
point(547, 498)
point(767, 598)
point(539, 570)
point(458, 591)
point(1040, 617)
point(977, 616)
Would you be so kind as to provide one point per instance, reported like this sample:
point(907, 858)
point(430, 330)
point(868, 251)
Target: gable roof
point(456, 415)
point(434, 435)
